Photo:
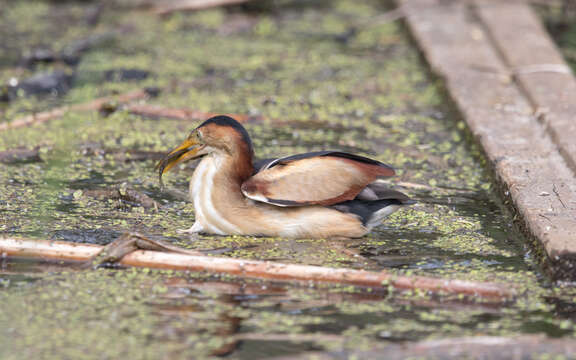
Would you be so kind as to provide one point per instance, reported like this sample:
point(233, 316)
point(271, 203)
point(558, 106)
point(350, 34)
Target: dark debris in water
point(59, 68)
point(124, 155)
point(20, 156)
point(91, 179)
point(70, 54)
point(87, 236)
point(126, 75)
point(126, 196)
point(55, 83)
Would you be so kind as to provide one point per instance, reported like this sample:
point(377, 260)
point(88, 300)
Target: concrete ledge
point(522, 125)
point(537, 66)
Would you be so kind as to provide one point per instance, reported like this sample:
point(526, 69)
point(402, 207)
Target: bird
point(323, 194)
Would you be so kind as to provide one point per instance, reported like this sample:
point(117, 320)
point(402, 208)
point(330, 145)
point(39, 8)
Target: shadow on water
point(87, 236)
point(418, 251)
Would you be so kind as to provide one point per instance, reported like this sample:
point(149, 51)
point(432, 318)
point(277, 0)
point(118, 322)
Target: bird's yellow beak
point(185, 151)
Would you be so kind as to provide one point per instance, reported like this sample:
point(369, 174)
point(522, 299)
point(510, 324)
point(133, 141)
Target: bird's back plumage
point(339, 180)
point(317, 178)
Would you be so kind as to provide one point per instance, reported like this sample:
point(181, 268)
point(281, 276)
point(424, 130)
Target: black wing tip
point(363, 209)
point(262, 164)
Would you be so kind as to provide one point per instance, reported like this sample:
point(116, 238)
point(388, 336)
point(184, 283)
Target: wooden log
point(59, 250)
point(46, 116)
point(56, 250)
point(473, 347)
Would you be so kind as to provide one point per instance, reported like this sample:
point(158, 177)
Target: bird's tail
point(374, 204)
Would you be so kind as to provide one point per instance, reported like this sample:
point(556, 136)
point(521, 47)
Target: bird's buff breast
point(202, 189)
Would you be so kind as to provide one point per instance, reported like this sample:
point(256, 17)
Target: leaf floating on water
point(77, 195)
point(122, 190)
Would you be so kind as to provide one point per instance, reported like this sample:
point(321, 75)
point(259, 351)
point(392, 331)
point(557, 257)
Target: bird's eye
point(198, 136)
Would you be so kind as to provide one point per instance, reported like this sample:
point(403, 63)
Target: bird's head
point(219, 134)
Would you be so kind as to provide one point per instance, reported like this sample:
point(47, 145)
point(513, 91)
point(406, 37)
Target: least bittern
point(324, 194)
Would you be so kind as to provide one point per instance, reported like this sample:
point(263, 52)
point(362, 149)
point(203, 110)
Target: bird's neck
point(229, 169)
point(216, 183)
point(238, 167)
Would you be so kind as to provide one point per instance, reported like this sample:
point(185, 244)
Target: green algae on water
point(321, 77)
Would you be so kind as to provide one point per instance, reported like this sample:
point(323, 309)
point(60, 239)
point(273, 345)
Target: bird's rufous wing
point(322, 178)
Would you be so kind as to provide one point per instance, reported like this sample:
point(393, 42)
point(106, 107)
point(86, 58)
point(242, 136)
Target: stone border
point(518, 97)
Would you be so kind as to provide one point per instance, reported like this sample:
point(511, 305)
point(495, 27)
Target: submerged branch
point(473, 347)
point(20, 155)
point(93, 105)
point(124, 194)
point(157, 111)
point(191, 5)
point(254, 269)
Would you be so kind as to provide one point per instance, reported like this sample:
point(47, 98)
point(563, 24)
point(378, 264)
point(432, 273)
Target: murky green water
point(328, 75)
